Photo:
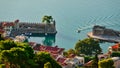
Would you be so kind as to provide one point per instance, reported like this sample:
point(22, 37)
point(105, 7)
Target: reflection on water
point(49, 40)
point(45, 40)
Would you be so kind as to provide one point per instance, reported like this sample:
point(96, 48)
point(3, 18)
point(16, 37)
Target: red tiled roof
point(116, 46)
point(54, 56)
point(61, 60)
point(50, 49)
point(1, 31)
point(64, 64)
point(54, 51)
point(37, 48)
point(7, 24)
point(32, 43)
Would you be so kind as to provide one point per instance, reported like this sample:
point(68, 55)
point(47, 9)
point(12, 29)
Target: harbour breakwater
point(30, 29)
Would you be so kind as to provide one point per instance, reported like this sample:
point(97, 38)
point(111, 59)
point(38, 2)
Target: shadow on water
point(49, 40)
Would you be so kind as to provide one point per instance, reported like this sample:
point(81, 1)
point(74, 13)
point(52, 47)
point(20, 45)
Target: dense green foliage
point(87, 46)
point(42, 58)
point(16, 55)
point(106, 63)
point(65, 54)
point(88, 58)
point(95, 61)
point(115, 54)
point(47, 19)
point(69, 53)
point(47, 65)
point(21, 55)
point(1, 38)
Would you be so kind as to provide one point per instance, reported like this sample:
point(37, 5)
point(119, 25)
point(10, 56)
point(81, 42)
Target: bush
point(115, 54)
point(106, 63)
point(2, 65)
point(88, 58)
point(47, 65)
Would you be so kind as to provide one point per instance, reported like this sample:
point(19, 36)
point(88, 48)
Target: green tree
point(71, 51)
point(16, 55)
point(65, 53)
point(1, 38)
point(2, 65)
point(95, 61)
point(115, 54)
point(43, 57)
point(47, 19)
point(87, 46)
point(7, 44)
point(21, 55)
point(106, 63)
point(47, 65)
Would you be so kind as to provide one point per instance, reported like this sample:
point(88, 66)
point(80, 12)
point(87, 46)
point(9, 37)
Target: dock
point(15, 28)
point(104, 34)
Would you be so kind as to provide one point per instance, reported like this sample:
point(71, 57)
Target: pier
point(104, 38)
point(104, 34)
point(15, 28)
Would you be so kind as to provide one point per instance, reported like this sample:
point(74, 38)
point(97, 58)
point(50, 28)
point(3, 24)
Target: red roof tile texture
point(116, 46)
point(50, 49)
point(7, 24)
point(1, 31)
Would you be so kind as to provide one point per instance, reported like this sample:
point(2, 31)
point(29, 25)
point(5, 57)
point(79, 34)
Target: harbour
point(15, 28)
point(67, 20)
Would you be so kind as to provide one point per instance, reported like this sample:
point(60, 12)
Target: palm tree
point(47, 19)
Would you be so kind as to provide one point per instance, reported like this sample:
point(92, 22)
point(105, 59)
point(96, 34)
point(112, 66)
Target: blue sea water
point(69, 15)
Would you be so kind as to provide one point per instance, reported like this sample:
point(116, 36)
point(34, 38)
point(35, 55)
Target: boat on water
point(104, 34)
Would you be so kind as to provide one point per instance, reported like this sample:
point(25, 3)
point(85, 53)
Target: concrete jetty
point(104, 34)
point(30, 29)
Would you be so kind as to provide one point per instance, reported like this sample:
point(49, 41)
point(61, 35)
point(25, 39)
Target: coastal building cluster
point(18, 31)
point(57, 54)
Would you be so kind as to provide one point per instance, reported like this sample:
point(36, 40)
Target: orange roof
point(116, 46)
point(7, 24)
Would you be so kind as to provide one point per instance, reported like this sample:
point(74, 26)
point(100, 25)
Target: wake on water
point(107, 21)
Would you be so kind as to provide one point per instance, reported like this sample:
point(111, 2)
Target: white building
point(74, 62)
point(20, 38)
point(7, 27)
